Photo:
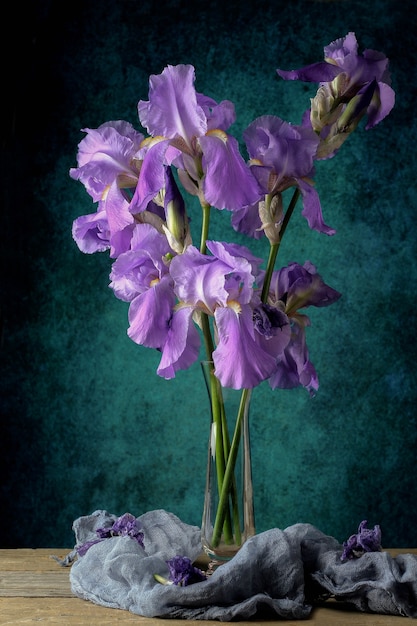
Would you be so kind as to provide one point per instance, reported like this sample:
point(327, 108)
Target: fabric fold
point(277, 574)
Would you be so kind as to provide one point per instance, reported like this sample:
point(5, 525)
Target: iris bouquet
point(185, 293)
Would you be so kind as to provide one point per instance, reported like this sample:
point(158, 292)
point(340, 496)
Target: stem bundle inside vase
point(228, 515)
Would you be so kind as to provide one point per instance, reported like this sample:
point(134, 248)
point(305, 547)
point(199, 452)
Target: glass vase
point(228, 513)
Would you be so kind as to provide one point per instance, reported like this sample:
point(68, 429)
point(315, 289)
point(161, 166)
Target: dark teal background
point(86, 422)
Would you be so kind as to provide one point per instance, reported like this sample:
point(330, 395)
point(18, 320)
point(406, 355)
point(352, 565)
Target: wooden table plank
point(35, 584)
point(31, 559)
point(76, 612)
point(35, 588)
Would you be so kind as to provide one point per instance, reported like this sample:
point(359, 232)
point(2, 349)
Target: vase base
point(214, 557)
point(209, 563)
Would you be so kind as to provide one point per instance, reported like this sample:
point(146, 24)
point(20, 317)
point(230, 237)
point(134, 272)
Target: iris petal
point(228, 182)
point(172, 109)
point(239, 360)
point(150, 314)
point(181, 348)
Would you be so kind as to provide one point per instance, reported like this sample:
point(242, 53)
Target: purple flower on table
point(292, 288)
point(366, 540)
point(188, 130)
point(350, 87)
point(108, 167)
point(282, 156)
point(126, 525)
point(183, 573)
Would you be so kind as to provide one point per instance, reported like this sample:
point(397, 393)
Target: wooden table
point(34, 588)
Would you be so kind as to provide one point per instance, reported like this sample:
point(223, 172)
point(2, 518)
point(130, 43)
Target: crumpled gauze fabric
point(277, 574)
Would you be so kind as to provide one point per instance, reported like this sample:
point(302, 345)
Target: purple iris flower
point(345, 74)
point(189, 131)
point(182, 572)
point(300, 286)
point(105, 154)
point(366, 540)
point(126, 525)
point(223, 285)
point(108, 168)
point(282, 156)
point(292, 288)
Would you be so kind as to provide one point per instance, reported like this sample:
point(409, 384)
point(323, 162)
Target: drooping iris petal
point(315, 73)
point(247, 221)
point(91, 232)
point(294, 368)
point(312, 208)
point(172, 109)
point(228, 182)
point(239, 361)
point(150, 314)
point(182, 343)
point(381, 104)
point(120, 241)
point(118, 214)
point(286, 373)
point(292, 288)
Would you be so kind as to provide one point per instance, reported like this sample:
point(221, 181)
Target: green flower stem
point(289, 212)
point(274, 248)
point(222, 444)
point(273, 252)
point(205, 226)
point(228, 479)
point(228, 483)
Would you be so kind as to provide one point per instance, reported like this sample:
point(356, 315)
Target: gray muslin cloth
point(277, 574)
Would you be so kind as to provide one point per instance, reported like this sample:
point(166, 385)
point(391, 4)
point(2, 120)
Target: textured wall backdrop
point(86, 422)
